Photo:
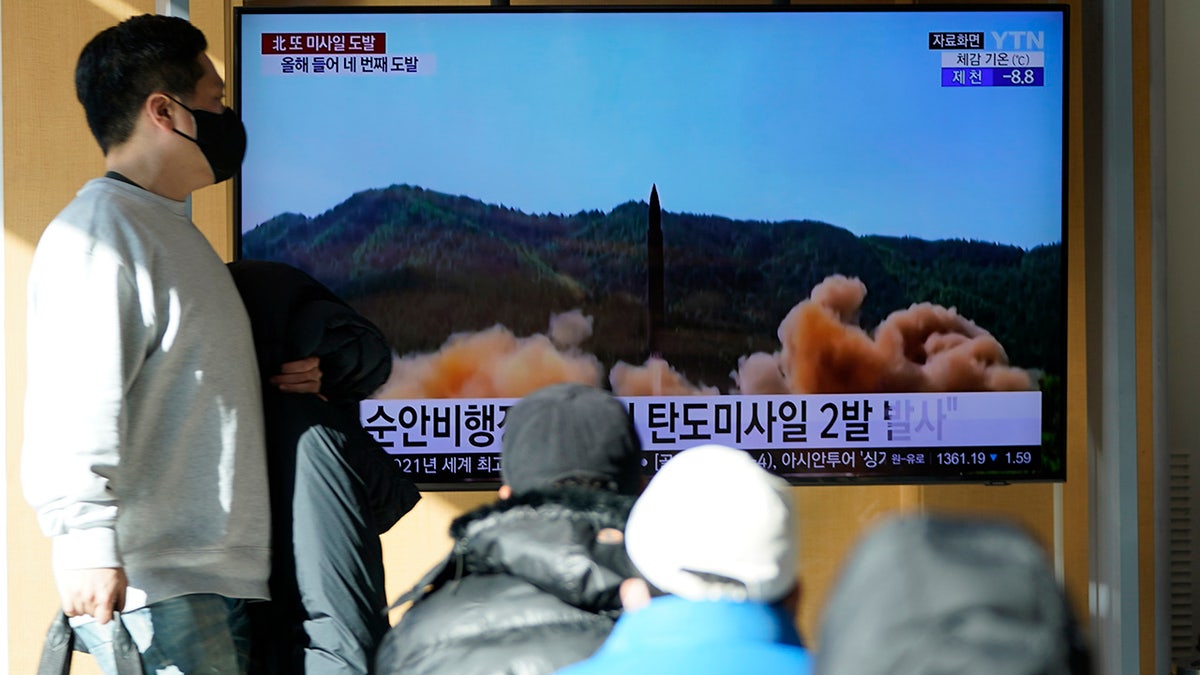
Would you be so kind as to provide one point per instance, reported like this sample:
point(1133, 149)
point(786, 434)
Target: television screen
point(832, 237)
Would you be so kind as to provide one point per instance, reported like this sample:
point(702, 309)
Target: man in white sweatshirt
point(143, 451)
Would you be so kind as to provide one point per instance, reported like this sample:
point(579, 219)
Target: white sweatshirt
point(144, 440)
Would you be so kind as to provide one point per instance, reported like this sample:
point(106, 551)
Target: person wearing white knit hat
point(714, 539)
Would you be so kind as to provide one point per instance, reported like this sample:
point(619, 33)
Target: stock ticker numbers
point(1007, 458)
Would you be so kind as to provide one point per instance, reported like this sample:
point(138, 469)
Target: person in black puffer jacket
point(532, 582)
point(333, 489)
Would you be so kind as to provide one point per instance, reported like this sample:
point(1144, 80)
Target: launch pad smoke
point(923, 348)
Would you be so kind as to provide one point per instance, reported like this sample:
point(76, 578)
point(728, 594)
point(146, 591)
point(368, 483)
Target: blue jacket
point(674, 635)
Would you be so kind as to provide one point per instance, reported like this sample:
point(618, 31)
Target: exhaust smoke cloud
point(924, 348)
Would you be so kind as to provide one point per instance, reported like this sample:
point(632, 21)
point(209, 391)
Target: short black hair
point(124, 64)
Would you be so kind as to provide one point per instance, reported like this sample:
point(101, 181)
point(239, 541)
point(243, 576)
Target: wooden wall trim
point(1144, 274)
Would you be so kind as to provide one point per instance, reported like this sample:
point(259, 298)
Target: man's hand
point(299, 377)
point(95, 592)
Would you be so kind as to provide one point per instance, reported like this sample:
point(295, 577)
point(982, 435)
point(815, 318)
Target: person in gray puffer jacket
point(930, 594)
point(532, 582)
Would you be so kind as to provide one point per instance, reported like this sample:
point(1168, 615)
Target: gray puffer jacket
point(927, 594)
point(526, 590)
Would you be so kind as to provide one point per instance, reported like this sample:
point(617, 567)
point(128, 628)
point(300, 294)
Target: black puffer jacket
point(527, 589)
point(294, 316)
point(333, 488)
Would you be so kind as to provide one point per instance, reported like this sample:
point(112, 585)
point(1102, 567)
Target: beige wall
point(48, 154)
point(45, 133)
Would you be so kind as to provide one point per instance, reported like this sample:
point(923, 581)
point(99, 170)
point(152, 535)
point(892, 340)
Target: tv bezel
point(284, 7)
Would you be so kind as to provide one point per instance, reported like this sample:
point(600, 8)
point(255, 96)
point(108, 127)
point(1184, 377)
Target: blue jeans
point(201, 633)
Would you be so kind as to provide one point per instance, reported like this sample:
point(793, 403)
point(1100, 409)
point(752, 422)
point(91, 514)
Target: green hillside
point(424, 264)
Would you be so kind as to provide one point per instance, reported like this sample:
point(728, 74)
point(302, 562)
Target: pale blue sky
point(777, 115)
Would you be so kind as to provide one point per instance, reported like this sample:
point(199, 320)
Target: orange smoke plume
point(494, 363)
point(759, 373)
point(926, 347)
point(654, 378)
point(923, 348)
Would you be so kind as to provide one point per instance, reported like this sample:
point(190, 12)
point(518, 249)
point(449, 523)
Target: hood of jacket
point(294, 316)
point(546, 538)
point(949, 594)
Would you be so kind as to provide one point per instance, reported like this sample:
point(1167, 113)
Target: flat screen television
point(830, 236)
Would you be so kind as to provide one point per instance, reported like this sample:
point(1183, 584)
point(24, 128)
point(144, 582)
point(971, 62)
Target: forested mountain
point(424, 264)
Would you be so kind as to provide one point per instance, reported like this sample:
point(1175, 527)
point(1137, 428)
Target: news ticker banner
point(887, 434)
point(965, 59)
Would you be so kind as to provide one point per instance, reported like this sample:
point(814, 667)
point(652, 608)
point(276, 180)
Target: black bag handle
point(59, 646)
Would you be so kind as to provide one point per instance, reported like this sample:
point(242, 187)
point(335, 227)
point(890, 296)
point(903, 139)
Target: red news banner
point(324, 43)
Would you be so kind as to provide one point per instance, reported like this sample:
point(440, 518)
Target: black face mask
point(222, 139)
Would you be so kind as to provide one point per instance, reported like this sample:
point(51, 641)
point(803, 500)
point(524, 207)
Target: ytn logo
point(1021, 39)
